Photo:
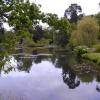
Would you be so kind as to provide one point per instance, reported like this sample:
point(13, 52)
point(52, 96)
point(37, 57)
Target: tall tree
point(86, 32)
point(61, 24)
point(97, 16)
point(71, 13)
point(1, 32)
point(49, 34)
point(21, 15)
point(38, 33)
point(61, 39)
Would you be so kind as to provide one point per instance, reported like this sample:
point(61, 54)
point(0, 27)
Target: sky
point(59, 6)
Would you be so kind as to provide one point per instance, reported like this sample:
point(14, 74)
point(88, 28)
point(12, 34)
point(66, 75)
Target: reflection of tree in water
point(98, 88)
point(68, 74)
point(44, 55)
point(69, 77)
point(39, 59)
point(71, 67)
point(24, 64)
point(87, 71)
point(98, 83)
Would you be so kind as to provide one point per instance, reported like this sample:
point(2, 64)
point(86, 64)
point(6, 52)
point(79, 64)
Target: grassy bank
point(95, 57)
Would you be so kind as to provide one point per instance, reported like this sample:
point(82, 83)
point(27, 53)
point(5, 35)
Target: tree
point(21, 15)
point(61, 24)
point(86, 32)
point(24, 15)
point(49, 34)
point(61, 39)
point(71, 13)
point(1, 32)
point(38, 33)
point(97, 16)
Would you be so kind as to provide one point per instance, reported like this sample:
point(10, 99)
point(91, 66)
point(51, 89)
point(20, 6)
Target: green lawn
point(92, 56)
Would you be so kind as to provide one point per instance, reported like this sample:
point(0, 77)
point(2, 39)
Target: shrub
point(93, 57)
point(97, 47)
point(98, 62)
point(79, 50)
point(28, 42)
point(43, 41)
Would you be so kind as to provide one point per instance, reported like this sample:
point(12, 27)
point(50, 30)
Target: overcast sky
point(59, 6)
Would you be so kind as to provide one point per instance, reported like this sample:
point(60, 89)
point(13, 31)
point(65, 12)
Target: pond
point(50, 74)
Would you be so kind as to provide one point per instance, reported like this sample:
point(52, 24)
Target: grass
point(95, 57)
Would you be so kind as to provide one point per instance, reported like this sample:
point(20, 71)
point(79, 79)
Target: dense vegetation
point(74, 29)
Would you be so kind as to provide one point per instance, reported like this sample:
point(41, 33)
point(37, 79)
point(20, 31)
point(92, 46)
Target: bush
point(28, 42)
point(98, 62)
point(41, 43)
point(93, 57)
point(97, 47)
point(79, 50)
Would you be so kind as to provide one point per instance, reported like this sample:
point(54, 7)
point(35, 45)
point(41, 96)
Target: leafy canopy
point(86, 32)
point(21, 15)
point(72, 11)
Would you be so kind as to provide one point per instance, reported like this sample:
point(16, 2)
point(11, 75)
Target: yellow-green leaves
point(86, 32)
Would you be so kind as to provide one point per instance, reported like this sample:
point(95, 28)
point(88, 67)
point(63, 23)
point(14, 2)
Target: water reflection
point(24, 65)
point(51, 74)
point(70, 79)
point(73, 70)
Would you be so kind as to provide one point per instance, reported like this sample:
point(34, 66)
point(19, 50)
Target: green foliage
point(38, 33)
point(49, 33)
point(86, 32)
point(79, 50)
point(73, 27)
point(61, 39)
point(98, 61)
point(28, 42)
point(97, 47)
point(24, 15)
point(93, 57)
point(43, 42)
point(97, 16)
point(21, 15)
point(7, 46)
point(61, 24)
point(71, 13)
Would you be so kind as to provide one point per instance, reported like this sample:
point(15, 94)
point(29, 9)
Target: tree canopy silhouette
point(72, 11)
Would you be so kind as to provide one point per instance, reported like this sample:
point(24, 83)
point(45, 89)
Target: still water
point(50, 74)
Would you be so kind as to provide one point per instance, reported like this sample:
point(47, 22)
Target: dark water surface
point(50, 74)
